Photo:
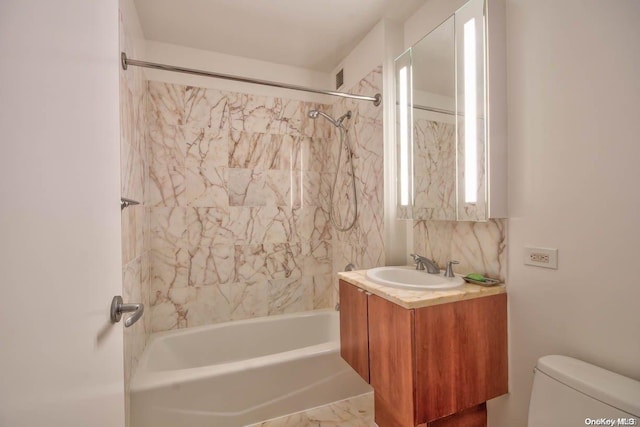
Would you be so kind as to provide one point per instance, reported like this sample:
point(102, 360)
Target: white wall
point(366, 56)
point(427, 18)
point(182, 56)
point(574, 103)
point(60, 264)
point(131, 20)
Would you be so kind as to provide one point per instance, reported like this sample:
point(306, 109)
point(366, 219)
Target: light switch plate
point(541, 257)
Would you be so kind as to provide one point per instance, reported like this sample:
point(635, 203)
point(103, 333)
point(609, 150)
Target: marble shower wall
point(134, 219)
point(479, 246)
point(363, 245)
point(239, 216)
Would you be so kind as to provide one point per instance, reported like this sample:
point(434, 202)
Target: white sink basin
point(410, 278)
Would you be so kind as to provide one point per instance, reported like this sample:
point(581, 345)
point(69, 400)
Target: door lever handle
point(118, 307)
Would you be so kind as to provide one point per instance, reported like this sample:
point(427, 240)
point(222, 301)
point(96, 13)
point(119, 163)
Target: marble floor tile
point(354, 412)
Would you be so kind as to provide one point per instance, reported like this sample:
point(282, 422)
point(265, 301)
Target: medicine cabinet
point(451, 119)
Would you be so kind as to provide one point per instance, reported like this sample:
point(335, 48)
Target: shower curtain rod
point(435, 110)
point(377, 99)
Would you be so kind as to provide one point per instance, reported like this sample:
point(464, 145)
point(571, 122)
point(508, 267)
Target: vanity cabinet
point(433, 366)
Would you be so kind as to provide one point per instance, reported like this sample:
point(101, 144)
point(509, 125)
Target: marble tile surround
point(239, 190)
point(238, 196)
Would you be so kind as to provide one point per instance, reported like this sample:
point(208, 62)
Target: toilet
point(568, 392)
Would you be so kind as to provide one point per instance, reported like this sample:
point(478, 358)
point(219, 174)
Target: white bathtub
point(243, 372)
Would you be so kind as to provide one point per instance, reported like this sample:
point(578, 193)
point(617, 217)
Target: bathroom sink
point(409, 278)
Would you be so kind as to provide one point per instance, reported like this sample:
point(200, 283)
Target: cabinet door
point(461, 355)
point(354, 340)
point(391, 341)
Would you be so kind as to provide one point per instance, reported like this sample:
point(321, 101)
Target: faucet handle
point(418, 260)
point(449, 271)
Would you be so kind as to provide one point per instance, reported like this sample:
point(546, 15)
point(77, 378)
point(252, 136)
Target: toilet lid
point(608, 387)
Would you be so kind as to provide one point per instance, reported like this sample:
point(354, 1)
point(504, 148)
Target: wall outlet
point(541, 257)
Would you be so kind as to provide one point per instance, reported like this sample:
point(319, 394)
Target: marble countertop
point(417, 299)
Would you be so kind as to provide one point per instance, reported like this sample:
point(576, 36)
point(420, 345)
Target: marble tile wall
point(363, 245)
point(135, 219)
point(479, 246)
point(238, 206)
point(239, 202)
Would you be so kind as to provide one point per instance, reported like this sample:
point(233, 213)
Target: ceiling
point(315, 35)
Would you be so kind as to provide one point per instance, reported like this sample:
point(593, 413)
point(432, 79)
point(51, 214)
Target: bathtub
point(242, 372)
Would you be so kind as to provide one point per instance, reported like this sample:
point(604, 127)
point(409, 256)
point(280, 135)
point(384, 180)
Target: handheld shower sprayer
point(344, 144)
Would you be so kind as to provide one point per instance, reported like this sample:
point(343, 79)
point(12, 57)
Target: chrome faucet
point(423, 262)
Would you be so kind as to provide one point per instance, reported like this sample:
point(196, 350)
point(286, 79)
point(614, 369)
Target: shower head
point(315, 113)
point(337, 123)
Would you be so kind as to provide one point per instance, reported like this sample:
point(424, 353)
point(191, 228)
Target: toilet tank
point(568, 392)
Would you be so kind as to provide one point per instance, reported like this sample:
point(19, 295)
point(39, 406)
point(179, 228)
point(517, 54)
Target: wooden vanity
point(433, 358)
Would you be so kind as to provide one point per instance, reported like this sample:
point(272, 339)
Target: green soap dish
point(479, 279)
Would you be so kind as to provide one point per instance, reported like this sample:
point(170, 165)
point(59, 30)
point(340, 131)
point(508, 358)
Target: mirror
point(434, 125)
point(442, 144)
